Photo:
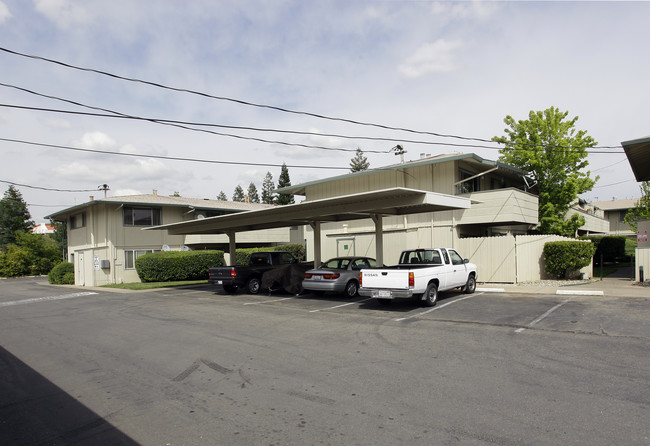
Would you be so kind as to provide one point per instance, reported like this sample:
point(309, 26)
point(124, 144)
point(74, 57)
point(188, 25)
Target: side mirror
point(465, 260)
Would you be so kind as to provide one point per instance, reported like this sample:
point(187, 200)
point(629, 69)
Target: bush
point(62, 274)
point(169, 266)
point(242, 255)
point(567, 257)
point(610, 247)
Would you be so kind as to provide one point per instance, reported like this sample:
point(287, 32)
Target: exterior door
point(345, 247)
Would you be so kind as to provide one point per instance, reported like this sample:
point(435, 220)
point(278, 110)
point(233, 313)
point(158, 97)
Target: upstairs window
point(473, 185)
point(141, 216)
point(78, 220)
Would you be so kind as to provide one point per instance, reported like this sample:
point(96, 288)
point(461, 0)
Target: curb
point(580, 292)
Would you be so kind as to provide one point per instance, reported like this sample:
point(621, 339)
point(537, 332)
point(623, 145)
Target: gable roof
point(299, 189)
point(164, 201)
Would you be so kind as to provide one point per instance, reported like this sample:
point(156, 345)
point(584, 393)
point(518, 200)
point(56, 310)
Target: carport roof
point(638, 154)
point(393, 201)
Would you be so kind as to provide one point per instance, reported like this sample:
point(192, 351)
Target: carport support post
point(232, 247)
point(379, 239)
point(315, 226)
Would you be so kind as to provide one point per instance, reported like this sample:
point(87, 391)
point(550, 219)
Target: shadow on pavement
point(34, 411)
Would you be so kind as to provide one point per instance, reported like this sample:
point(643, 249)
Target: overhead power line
point(239, 101)
point(172, 158)
point(47, 188)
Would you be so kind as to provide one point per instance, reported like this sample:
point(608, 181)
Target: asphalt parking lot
point(198, 366)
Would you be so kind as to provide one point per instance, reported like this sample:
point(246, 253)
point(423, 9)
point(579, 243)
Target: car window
point(259, 259)
point(331, 264)
point(287, 258)
point(363, 263)
point(444, 254)
point(456, 259)
point(344, 263)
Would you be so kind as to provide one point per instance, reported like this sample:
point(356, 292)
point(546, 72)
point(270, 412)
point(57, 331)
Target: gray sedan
point(338, 275)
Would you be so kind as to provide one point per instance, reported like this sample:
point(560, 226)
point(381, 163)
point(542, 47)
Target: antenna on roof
point(399, 150)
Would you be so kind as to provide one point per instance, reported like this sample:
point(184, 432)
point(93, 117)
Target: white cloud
point(464, 10)
point(62, 12)
point(57, 123)
point(436, 57)
point(4, 12)
point(96, 140)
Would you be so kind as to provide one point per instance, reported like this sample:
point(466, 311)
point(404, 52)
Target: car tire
point(470, 286)
point(430, 296)
point(230, 289)
point(253, 285)
point(351, 289)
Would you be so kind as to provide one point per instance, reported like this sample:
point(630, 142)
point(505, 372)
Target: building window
point(473, 185)
point(621, 215)
point(132, 254)
point(78, 220)
point(141, 216)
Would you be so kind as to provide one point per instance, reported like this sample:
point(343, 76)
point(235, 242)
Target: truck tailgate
point(394, 279)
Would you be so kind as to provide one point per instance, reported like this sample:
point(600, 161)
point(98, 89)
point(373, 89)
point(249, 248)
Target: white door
point(458, 268)
point(345, 247)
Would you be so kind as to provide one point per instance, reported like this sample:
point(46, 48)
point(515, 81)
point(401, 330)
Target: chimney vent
point(91, 198)
point(155, 192)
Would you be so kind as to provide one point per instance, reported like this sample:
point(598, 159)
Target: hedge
point(610, 247)
point(567, 257)
point(62, 274)
point(168, 266)
point(242, 255)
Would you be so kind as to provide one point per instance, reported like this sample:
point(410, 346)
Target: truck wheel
point(230, 289)
point(253, 285)
point(430, 296)
point(351, 289)
point(470, 286)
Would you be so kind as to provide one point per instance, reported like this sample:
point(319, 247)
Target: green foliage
point(610, 247)
point(549, 148)
point(359, 162)
point(242, 255)
point(14, 217)
point(253, 196)
point(167, 266)
point(60, 237)
point(565, 258)
point(642, 209)
point(222, 196)
point(284, 181)
point(33, 254)
point(267, 189)
point(62, 274)
point(238, 195)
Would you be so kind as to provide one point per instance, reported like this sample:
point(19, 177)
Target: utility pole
point(399, 150)
point(104, 187)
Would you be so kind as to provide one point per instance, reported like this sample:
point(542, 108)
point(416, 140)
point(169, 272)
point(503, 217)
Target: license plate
point(220, 282)
point(317, 277)
point(385, 294)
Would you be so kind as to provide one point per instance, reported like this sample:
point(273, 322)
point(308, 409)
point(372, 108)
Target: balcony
point(499, 207)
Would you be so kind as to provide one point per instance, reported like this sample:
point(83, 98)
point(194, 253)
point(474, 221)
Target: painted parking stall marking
point(342, 305)
point(268, 301)
point(435, 308)
point(543, 316)
point(46, 298)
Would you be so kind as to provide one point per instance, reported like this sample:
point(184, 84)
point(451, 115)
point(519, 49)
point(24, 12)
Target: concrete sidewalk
point(609, 286)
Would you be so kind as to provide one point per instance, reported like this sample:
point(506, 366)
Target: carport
point(374, 205)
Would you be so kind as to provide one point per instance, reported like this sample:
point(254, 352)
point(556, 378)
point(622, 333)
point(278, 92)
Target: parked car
point(338, 275)
point(249, 277)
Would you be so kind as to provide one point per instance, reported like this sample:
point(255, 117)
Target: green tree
point(284, 181)
point(359, 162)
point(253, 196)
point(238, 195)
point(267, 189)
point(60, 237)
point(222, 196)
point(642, 209)
point(554, 153)
point(31, 254)
point(14, 216)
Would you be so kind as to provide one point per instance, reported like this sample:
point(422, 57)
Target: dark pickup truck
point(249, 277)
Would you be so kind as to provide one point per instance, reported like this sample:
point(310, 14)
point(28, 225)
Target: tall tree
point(267, 189)
point(222, 196)
point(238, 195)
point(359, 162)
point(60, 237)
point(554, 153)
point(642, 209)
point(284, 181)
point(14, 216)
point(253, 196)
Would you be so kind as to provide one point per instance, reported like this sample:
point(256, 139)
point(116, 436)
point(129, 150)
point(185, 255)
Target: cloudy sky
point(450, 68)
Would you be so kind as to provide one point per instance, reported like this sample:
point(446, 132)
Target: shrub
point(242, 255)
point(15, 262)
point(62, 274)
point(566, 257)
point(168, 266)
point(610, 247)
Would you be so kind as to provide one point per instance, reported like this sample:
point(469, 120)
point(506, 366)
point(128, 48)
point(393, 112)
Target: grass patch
point(609, 268)
point(153, 285)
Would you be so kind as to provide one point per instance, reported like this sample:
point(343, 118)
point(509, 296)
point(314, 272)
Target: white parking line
point(342, 305)
point(519, 330)
point(46, 298)
point(268, 301)
point(436, 308)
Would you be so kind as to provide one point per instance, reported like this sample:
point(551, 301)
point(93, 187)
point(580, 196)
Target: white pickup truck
point(420, 274)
